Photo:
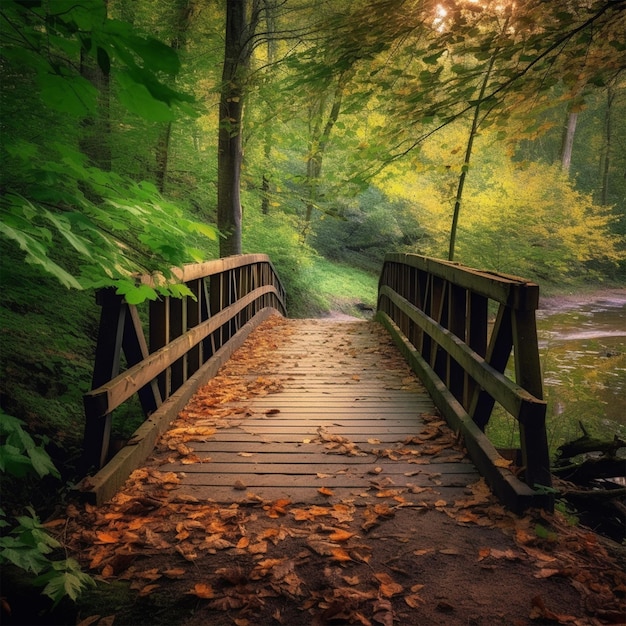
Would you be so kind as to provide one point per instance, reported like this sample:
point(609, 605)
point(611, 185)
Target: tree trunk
point(237, 51)
point(319, 138)
point(178, 41)
point(567, 144)
point(95, 140)
point(606, 161)
point(468, 156)
point(268, 139)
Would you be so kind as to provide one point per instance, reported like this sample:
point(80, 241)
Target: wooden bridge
point(336, 386)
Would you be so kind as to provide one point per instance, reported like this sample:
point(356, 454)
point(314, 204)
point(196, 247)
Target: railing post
point(178, 318)
point(533, 437)
point(159, 320)
point(457, 313)
point(477, 324)
point(194, 317)
point(106, 366)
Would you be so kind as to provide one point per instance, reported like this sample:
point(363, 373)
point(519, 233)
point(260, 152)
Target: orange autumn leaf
point(147, 590)
point(339, 554)
point(202, 590)
point(107, 537)
point(340, 535)
point(414, 601)
point(483, 553)
point(176, 572)
point(388, 586)
point(501, 462)
point(325, 491)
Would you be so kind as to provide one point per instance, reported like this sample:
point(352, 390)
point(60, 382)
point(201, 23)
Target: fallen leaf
point(325, 491)
point(501, 462)
point(414, 601)
point(202, 590)
point(258, 548)
point(107, 537)
point(340, 535)
point(540, 611)
point(546, 572)
point(423, 551)
point(147, 590)
point(388, 587)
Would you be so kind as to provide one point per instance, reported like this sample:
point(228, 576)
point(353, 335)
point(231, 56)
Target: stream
point(582, 344)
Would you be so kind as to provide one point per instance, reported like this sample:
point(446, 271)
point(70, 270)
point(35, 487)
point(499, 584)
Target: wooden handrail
point(438, 313)
point(186, 341)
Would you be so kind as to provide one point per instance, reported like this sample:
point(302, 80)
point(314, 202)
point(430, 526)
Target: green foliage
point(27, 544)
point(52, 195)
point(19, 454)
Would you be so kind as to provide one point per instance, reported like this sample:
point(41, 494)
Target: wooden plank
point(113, 393)
point(105, 483)
point(311, 495)
point(282, 454)
point(251, 480)
point(298, 457)
point(301, 466)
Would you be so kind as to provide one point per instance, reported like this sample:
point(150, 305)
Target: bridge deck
point(314, 411)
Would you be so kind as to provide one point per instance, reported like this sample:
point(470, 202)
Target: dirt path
point(404, 557)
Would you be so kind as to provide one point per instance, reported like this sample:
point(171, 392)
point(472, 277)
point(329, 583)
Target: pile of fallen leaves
point(387, 559)
point(320, 564)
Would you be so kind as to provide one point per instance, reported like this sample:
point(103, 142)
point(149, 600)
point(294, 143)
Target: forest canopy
point(488, 132)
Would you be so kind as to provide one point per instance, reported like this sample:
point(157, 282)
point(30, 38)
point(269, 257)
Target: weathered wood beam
point(109, 396)
point(106, 482)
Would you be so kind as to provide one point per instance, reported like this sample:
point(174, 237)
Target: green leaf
point(42, 463)
point(64, 580)
point(71, 94)
point(137, 99)
point(25, 557)
point(135, 294)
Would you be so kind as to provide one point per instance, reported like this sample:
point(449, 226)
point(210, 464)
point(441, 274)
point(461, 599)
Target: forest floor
point(409, 558)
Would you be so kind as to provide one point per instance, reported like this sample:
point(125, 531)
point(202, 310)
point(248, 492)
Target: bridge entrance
point(314, 411)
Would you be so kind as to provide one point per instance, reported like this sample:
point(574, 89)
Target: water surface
point(583, 355)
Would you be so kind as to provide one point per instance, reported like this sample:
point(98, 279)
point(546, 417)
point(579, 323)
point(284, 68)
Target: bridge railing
point(184, 343)
point(441, 314)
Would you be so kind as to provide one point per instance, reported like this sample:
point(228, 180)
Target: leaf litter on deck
point(254, 554)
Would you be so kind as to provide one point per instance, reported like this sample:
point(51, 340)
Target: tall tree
point(241, 20)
